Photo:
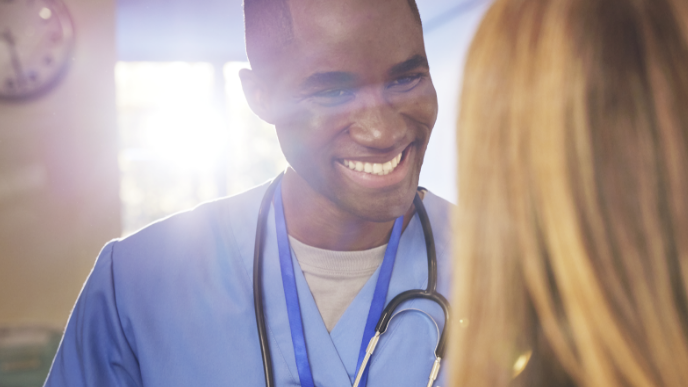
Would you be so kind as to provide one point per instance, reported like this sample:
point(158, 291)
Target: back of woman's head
point(573, 195)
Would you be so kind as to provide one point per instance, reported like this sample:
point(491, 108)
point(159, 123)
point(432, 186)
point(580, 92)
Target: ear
point(256, 94)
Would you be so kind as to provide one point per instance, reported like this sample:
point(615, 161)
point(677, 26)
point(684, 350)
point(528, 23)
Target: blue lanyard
point(294, 309)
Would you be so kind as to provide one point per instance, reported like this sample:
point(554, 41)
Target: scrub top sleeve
point(94, 350)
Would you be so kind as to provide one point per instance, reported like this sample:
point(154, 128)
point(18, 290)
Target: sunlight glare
point(191, 137)
point(182, 125)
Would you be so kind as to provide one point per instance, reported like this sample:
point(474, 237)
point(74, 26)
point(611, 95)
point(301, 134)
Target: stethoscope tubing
point(429, 243)
point(412, 294)
point(258, 281)
point(430, 293)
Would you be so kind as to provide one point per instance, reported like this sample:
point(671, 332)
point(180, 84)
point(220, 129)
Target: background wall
point(448, 27)
point(59, 199)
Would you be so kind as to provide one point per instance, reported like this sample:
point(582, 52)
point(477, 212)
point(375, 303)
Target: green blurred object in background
point(26, 355)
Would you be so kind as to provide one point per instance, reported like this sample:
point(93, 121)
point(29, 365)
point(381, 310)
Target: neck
point(316, 221)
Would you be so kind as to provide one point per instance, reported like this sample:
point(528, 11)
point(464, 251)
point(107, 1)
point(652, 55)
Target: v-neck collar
point(349, 328)
point(326, 365)
point(333, 356)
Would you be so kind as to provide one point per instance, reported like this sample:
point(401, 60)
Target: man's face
point(353, 103)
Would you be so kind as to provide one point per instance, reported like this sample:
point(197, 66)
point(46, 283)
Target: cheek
point(419, 106)
point(306, 134)
point(425, 107)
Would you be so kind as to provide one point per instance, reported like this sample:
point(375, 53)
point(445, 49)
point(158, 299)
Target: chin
point(380, 207)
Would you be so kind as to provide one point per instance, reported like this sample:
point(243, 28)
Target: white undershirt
point(335, 277)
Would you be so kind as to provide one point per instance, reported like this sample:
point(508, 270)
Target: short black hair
point(268, 28)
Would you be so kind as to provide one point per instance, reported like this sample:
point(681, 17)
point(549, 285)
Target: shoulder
point(439, 210)
point(176, 265)
point(440, 213)
point(188, 237)
point(184, 227)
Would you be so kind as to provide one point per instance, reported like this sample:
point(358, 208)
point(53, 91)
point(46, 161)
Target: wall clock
point(36, 42)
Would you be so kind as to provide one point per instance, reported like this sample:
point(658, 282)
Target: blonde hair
point(573, 196)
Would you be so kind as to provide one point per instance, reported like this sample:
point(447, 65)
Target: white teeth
point(374, 168)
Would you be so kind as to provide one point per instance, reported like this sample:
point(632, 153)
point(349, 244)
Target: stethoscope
point(430, 293)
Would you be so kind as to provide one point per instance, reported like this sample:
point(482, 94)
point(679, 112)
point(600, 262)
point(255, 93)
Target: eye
point(405, 83)
point(332, 97)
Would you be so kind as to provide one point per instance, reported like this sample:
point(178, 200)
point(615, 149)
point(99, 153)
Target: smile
point(373, 168)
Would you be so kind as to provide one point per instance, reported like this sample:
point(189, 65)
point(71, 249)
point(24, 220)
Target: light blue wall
point(448, 34)
point(180, 30)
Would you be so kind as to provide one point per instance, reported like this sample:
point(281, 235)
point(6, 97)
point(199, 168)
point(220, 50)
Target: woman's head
point(573, 194)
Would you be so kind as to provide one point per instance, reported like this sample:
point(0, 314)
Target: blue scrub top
point(172, 305)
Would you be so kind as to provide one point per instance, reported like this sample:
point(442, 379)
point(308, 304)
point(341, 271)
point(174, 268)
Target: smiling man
point(347, 85)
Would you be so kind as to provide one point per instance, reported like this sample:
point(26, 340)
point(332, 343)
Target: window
point(187, 135)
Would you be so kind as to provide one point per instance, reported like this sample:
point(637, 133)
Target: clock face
point(36, 40)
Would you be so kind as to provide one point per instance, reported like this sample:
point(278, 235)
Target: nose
point(377, 123)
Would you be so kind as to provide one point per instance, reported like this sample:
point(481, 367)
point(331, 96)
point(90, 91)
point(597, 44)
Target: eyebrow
point(336, 78)
point(417, 61)
point(328, 79)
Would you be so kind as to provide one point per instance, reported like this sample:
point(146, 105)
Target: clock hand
point(14, 57)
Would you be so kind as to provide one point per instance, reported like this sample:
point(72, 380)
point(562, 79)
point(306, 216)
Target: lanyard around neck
point(292, 298)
